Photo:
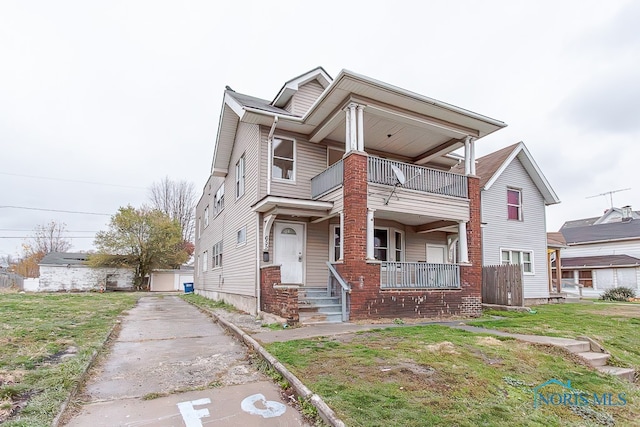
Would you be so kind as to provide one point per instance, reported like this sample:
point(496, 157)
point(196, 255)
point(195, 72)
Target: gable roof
point(607, 232)
point(291, 87)
point(64, 258)
point(490, 167)
point(444, 132)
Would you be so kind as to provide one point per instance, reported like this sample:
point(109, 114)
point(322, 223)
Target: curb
point(83, 377)
point(324, 411)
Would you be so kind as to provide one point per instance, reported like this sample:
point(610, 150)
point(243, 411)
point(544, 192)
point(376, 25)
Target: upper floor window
point(514, 204)
point(240, 177)
point(206, 216)
point(241, 237)
point(283, 159)
point(523, 258)
point(205, 257)
point(218, 200)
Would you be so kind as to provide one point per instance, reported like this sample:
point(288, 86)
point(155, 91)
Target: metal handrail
point(344, 287)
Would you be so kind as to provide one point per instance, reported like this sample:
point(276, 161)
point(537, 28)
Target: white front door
point(436, 254)
point(288, 248)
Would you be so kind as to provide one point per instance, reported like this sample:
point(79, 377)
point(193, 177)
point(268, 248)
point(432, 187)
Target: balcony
point(379, 171)
point(417, 178)
point(419, 275)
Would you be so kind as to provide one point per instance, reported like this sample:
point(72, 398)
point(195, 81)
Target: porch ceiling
point(413, 220)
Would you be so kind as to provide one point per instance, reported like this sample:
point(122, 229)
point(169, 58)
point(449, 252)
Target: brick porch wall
point(276, 299)
point(367, 299)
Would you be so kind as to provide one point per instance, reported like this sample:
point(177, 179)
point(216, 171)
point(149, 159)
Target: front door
point(288, 247)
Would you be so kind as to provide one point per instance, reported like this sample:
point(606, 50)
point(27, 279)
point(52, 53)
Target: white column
point(472, 143)
point(467, 156)
point(347, 137)
point(370, 233)
point(341, 235)
point(353, 127)
point(360, 109)
point(462, 236)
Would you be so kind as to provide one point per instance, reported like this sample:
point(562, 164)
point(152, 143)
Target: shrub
point(618, 294)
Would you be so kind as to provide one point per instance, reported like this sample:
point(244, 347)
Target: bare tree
point(177, 199)
point(49, 238)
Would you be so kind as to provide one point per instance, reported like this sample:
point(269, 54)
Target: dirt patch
point(619, 310)
point(60, 356)
point(444, 347)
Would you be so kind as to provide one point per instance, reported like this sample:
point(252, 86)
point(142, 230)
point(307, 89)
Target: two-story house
point(335, 201)
point(514, 194)
point(602, 252)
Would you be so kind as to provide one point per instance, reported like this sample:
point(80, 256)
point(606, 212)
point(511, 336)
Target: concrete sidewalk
point(171, 365)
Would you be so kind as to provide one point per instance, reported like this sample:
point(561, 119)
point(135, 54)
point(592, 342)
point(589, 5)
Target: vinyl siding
point(336, 197)
point(304, 98)
point(238, 272)
point(526, 235)
point(631, 248)
point(417, 203)
point(310, 160)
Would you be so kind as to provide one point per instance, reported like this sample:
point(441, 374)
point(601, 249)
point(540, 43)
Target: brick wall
point(367, 299)
point(277, 299)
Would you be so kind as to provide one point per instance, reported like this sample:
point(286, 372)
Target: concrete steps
point(623, 373)
point(597, 357)
point(315, 306)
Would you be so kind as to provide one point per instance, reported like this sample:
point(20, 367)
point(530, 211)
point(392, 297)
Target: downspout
point(270, 154)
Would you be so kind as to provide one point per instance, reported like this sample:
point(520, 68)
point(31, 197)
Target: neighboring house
point(514, 194)
point(335, 201)
point(602, 252)
point(170, 280)
point(67, 271)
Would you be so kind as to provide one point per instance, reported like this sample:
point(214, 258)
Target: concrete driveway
point(167, 346)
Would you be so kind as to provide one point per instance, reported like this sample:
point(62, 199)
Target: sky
point(98, 100)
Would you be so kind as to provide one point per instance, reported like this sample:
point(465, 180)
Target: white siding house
point(513, 199)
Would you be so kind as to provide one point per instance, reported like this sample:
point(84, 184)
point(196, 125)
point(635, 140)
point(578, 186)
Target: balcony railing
point(417, 178)
point(419, 275)
point(327, 180)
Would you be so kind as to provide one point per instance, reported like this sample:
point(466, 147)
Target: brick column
point(471, 275)
point(364, 278)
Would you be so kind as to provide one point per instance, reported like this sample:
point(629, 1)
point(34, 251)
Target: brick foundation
point(367, 299)
point(277, 299)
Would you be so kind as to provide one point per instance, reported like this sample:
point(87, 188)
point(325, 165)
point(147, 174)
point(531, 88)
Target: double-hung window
point(514, 204)
point(524, 258)
point(240, 177)
point(217, 255)
point(241, 237)
point(283, 156)
point(206, 216)
point(335, 238)
point(218, 200)
point(381, 244)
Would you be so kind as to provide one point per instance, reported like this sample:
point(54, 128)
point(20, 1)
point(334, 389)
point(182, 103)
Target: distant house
point(68, 271)
point(602, 252)
point(335, 201)
point(514, 194)
point(168, 280)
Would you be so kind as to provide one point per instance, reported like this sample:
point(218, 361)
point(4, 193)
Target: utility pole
point(608, 193)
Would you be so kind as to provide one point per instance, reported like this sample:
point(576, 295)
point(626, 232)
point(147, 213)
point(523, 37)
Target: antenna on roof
point(608, 193)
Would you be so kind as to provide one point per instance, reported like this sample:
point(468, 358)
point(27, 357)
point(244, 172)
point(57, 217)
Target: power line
point(30, 237)
point(66, 231)
point(54, 210)
point(71, 180)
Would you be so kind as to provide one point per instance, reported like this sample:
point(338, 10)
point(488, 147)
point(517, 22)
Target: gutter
point(270, 153)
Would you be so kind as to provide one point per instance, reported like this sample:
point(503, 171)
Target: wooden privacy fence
point(502, 285)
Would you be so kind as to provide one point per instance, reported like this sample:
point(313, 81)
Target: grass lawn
point(434, 375)
point(46, 343)
point(615, 325)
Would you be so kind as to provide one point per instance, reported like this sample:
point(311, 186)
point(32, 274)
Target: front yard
point(434, 375)
point(46, 343)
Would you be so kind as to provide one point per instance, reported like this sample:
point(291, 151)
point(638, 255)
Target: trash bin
point(188, 287)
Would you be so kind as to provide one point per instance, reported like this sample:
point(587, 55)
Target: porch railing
point(336, 286)
point(417, 178)
point(327, 180)
point(419, 275)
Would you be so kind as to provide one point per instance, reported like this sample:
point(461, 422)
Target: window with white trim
point(399, 245)
point(335, 243)
point(241, 236)
point(205, 256)
point(206, 216)
point(240, 177)
point(218, 200)
point(217, 255)
point(283, 158)
point(381, 244)
point(514, 204)
point(524, 258)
